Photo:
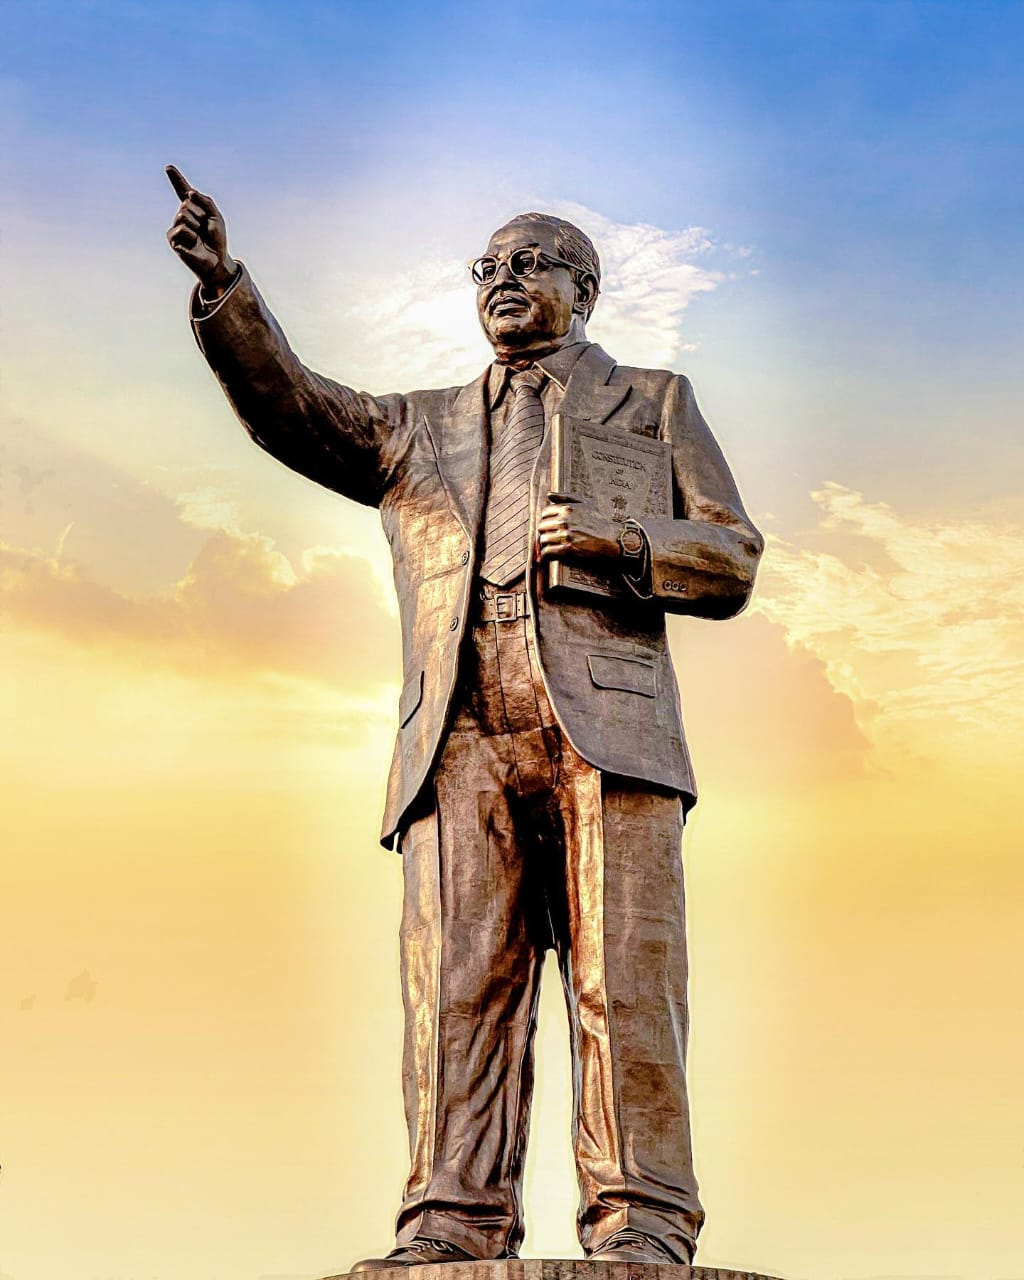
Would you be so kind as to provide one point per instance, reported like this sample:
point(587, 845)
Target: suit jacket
point(422, 459)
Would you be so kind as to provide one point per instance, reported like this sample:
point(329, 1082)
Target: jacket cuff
point(201, 310)
point(639, 579)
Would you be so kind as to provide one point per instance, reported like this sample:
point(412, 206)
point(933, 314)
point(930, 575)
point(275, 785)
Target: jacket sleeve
point(702, 561)
point(338, 437)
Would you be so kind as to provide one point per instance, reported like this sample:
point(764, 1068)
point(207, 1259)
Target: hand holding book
point(573, 530)
point(605, 481)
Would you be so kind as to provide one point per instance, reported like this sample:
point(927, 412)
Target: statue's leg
point(623, 959)
point(473, 933)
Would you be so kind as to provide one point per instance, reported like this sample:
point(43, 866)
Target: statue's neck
point(523, 354)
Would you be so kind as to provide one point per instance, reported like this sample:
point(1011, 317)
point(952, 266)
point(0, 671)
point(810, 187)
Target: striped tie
point(507, 521)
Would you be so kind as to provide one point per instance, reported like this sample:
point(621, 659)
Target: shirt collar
point(558, 365)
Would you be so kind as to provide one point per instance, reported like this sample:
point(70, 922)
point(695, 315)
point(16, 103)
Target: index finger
point(555, 496)
point(182, 187)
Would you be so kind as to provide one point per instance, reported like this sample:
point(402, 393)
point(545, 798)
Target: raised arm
point(338, 437)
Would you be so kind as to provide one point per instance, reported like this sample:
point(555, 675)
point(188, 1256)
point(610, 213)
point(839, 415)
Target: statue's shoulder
point(651, 380)
point(606, 368)
point(443, 401)
point(434, 398)
point(652, 387)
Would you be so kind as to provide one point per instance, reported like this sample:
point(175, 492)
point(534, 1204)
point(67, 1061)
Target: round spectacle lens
point(523, 262)
point(484, 270)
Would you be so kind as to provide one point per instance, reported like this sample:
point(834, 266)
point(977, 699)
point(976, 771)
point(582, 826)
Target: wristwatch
point(632, 543)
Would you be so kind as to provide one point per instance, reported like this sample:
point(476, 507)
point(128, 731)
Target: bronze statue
point(540, 778)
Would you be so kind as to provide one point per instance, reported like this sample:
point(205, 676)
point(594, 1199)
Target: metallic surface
point(422, 457)
point(525, 847)
point(540, 774)
point(562, 1269)
point(507, 513)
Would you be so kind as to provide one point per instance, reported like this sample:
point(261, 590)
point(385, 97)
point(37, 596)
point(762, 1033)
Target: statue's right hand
point(199, 237)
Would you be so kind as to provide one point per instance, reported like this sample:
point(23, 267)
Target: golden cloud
point(241, 606)
point(759, 710)
point(920, 622)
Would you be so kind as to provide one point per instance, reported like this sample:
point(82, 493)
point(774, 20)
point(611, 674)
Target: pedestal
point(553, 1269)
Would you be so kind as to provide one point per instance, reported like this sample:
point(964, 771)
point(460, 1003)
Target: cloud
point(920, 622)
point(422, 325)
point(325, 620)
point(649, 278)
point(103, 560)
point(66, 502)
point(760, 714)
point(241, 607)
point(419, 326)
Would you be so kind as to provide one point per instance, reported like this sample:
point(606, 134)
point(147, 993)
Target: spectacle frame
point(520, 262)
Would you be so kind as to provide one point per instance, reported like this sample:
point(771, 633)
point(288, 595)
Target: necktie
point(507, 519)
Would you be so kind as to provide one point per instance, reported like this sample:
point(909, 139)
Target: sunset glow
point(814, 211)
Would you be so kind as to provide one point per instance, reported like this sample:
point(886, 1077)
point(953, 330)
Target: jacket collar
point(461, 440)
point(558, 365)
point(589, 393)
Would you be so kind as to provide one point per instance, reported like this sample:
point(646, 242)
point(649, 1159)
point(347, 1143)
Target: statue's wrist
point(217, 283)
point(633, 547)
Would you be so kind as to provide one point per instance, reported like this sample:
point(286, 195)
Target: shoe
point(634, 1246)
point(415, 1254)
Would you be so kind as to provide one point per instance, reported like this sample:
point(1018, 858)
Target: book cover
point(620, 473)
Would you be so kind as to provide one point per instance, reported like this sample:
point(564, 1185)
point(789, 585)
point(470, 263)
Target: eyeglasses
point(520, 262)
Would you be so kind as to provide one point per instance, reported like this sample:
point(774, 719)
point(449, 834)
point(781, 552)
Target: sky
point(812, 209)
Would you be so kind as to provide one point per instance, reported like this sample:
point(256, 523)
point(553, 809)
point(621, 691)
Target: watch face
point(632, 542)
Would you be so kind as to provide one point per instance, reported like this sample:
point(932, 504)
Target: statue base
point(552, 1269)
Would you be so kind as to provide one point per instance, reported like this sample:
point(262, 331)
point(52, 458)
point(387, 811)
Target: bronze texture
point(563, 1269)
point(507, 513)
point(540, 776)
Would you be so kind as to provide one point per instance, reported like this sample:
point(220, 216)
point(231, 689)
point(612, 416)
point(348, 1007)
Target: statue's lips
point(508, 303)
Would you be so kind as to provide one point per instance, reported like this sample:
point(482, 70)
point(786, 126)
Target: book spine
point(559, 481)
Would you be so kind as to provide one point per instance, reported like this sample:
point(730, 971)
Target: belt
point(503, 606)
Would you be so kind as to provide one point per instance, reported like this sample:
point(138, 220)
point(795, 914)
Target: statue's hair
point(573, 245)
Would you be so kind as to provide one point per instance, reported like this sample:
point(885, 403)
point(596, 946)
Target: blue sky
point(856, 166)
point(199, 649)
point(871, 152)
point(907, 112)
point(889, 125)
point(865, 157)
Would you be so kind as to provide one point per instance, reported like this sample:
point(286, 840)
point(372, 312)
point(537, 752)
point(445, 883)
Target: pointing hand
point(199, 237)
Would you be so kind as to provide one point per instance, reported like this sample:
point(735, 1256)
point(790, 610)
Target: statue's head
point(537, 284)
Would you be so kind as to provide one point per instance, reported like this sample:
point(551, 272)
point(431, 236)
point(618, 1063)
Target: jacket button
point(453, 625)
point(465, 557)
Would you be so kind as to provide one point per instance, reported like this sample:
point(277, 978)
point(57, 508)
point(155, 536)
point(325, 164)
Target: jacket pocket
point(633, 675)
point(412, 696)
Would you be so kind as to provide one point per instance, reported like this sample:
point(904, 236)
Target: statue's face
point(534, 308)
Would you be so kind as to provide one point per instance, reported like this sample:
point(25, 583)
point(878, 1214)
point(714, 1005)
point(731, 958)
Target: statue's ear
point(586, 293)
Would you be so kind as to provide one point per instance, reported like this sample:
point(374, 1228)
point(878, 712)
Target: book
point(620, 473)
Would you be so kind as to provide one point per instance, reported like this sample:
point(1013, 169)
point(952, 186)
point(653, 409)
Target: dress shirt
point(558, 365)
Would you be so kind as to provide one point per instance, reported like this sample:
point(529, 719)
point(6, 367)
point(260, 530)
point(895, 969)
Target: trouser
point(526, 847)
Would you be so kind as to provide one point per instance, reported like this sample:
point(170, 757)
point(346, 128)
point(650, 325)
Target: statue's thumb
point(178, 181)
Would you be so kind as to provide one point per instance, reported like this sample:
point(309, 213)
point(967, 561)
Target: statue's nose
point(502, 266)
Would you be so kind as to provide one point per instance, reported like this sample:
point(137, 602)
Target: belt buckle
point(506, 606)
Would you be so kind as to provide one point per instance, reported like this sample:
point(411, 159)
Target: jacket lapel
point(588, 394)
point(461, 441)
